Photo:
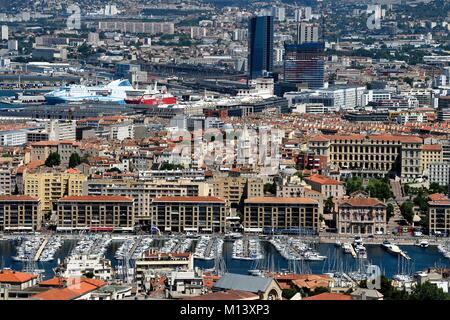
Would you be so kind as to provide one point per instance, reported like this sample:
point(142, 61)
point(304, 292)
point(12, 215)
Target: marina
point(247, 249)
point(295, 249)
point(337, 261)
point(208, 247)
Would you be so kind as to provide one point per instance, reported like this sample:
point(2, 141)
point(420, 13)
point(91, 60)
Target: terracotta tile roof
point(17, 198)
point(431, 147)
point(11, 276)
point(280, 200)
point(76, 287)
point(329, 296)
point(361, 202)
point(189, 199)
point(53, 282)
point(59, 281)
point(317, 178)
point(96, 198)
point(400, 138)
point(437, 197)
point(320, 138)
point(70, 293)
point(55, 143)
point(377, 137)
point(30, 165)
point(73, 171)
point(226, 295)
point(312, 281)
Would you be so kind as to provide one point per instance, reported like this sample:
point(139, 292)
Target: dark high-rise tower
point(260, 46)
point(304, 64)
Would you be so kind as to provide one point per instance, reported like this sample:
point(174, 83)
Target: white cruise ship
point(113, 92)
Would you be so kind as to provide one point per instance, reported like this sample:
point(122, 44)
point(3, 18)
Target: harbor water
point(337, 260)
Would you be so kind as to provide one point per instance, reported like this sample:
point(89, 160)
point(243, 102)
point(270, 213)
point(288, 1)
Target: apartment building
point(439, 215)
point(20, 213)
point(439, 172)
point(6, 182)
point(144, 191)
point(51, 186)
point(199, 214)
point(234, 189)
point(273, 213)
point(372, 155)
point(65, 148)
point(431, 153)
point(95, 213)
point(326, 186)
point(152, 28)
point(358, 215)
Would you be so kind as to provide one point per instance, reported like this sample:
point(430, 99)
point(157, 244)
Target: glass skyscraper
point(260, 47)
point(304, 64)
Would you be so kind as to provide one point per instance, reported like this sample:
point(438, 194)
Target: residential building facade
point(199, 214)
point(95, 213)
point(281, 213)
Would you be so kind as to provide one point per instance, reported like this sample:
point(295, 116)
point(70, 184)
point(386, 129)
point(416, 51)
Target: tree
point(271, 188)
point(354, 184)
point(319, 290)
point(436, 188)
point(389, 211)
point(74, 160)
point(53, 159)
point(379, 189)
point(421, 200)
point(171, 166)
point(329, 204)
point(407, 210)
point(428, 291)
point(288, 293)
point(114, 169)
point(16, 190)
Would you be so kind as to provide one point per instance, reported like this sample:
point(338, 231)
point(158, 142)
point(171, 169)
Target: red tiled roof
point(362, 202)
point(329, 296)
point(70, 293)
point(97, 198)
point(55, 143)
point(317, 178)
point(382, 137)
point(431, 147)
point(77, 287)
point(17, 198)
point(280, 200)
point(11, 276)
point(437, 197)
point(30, 165)
point(189, 199)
